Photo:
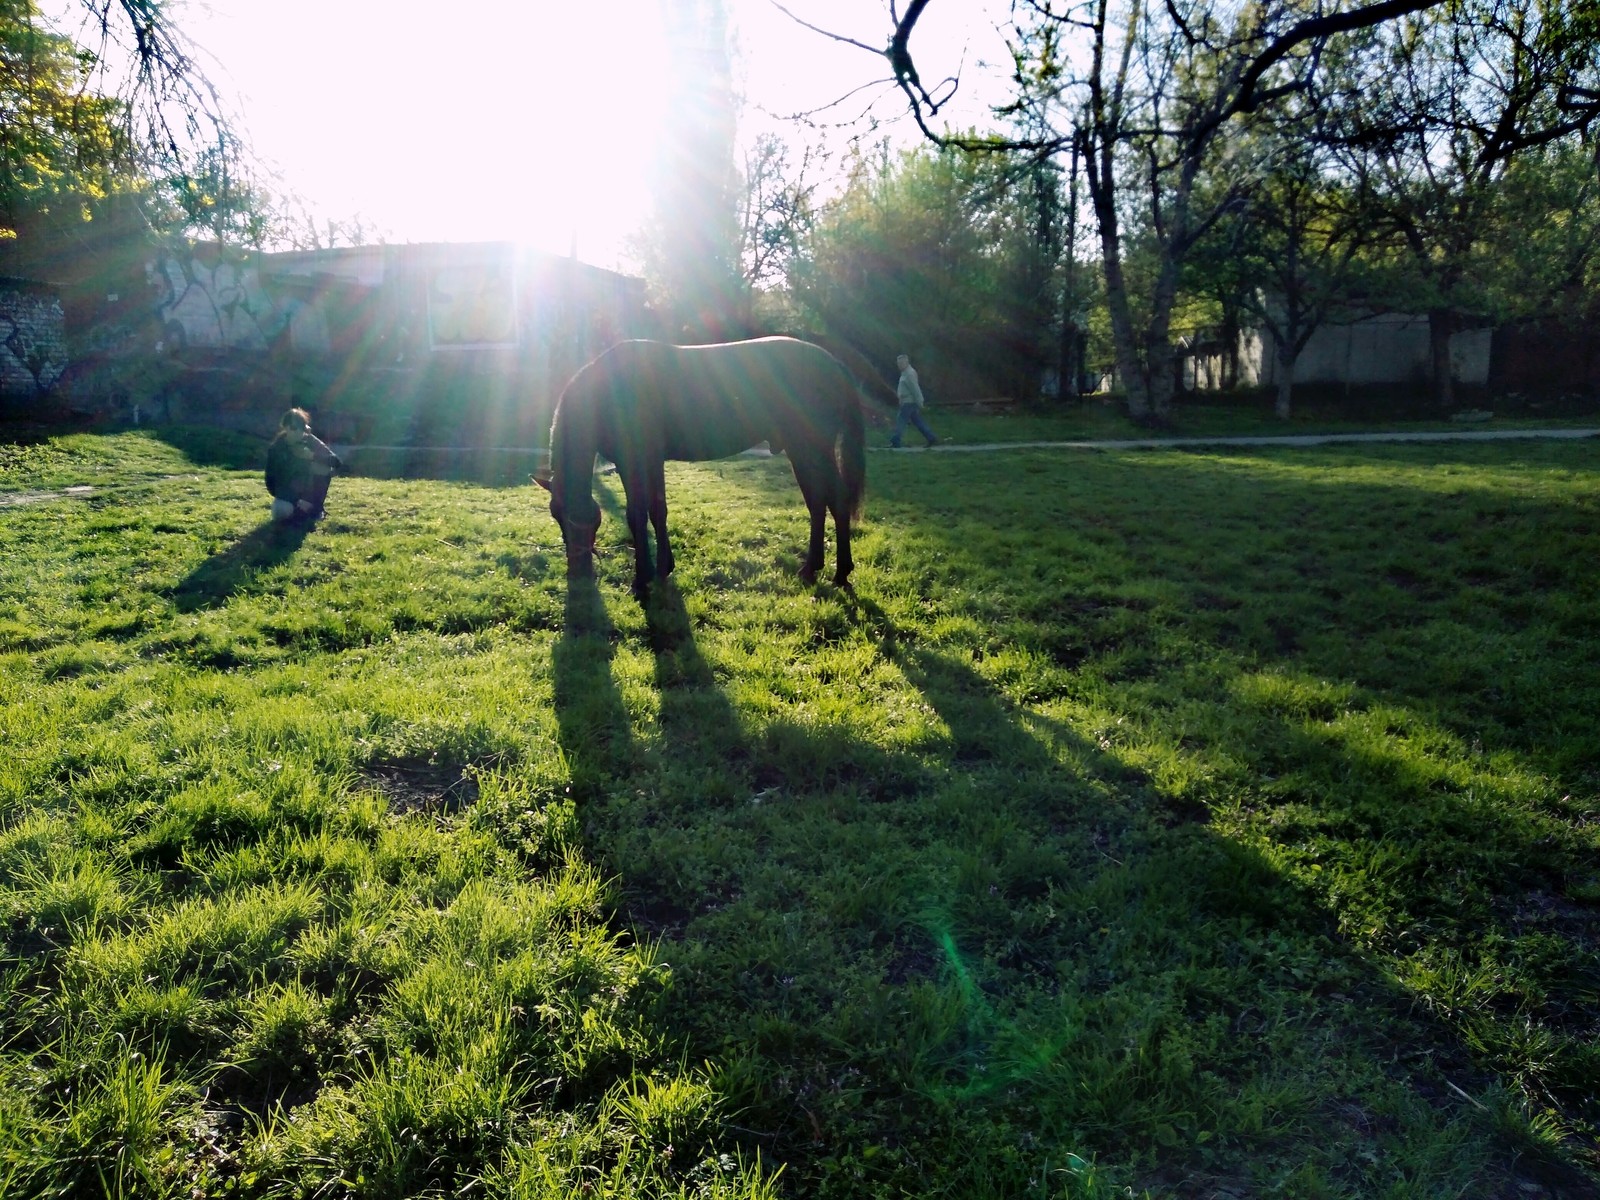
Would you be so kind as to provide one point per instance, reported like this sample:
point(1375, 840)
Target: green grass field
point(1155, 823)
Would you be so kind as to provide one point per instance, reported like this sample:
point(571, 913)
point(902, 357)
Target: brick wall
point(33, 338)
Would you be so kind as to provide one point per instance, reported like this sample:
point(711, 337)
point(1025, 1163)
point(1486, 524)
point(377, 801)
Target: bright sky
point(509, 119)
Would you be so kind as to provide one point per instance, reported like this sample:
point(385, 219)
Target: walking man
point(911, 402)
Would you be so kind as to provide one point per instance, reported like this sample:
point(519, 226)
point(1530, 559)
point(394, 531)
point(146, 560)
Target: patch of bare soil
point(423, 787)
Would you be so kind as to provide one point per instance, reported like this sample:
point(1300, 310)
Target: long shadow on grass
point(1352, 656)
point(593, 722)
point(1013, 954)
point(222, 575)
point(205, 446)
point(1023, 941)
point(1193, 936)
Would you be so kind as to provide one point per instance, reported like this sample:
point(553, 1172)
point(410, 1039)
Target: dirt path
point(1296, 439)
point(17, 499)
point(79, 491)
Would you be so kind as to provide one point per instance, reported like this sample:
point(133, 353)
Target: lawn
point(1159, 822)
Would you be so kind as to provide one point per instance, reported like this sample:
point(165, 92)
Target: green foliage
point(1147, 821)
point(59, 143)
point(218, 198)
point(1460, 136)
point(1545, 231)
point(948, 256)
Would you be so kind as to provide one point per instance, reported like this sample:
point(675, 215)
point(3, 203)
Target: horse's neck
point(572, 451)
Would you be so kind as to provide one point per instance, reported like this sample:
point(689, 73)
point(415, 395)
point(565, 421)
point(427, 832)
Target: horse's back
point(712, 401)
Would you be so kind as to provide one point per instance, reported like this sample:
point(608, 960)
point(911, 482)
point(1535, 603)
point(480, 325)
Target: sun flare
point(530, 123)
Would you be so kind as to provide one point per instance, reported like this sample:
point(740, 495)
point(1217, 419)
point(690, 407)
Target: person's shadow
point(222, 575)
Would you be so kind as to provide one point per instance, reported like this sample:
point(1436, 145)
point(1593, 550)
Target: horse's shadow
point(670, 634)
point(594, 729)
point(222, 575)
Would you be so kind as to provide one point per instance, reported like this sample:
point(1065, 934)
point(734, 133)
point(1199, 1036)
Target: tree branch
point(829, 34)
point(1247, 100)
point(905, 71)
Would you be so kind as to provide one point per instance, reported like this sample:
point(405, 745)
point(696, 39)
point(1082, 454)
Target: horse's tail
point(852, 454)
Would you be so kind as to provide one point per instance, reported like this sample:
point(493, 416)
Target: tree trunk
point(1070, 361)
point(1163, 367)
point(1129, 369)
point(1286, 363)
point(1230, 347)
point(1102, 195)
point(1441, 325)
point(1162, 362)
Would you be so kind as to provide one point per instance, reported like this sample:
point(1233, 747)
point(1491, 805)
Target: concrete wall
point(213, 301)
point(1387, 349)
point(486, 300)
point(1392, 348)
point(417, 343)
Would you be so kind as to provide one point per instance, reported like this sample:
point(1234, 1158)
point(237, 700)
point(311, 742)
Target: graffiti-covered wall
point(33, 342)
point(210, 298)
point(434, 343)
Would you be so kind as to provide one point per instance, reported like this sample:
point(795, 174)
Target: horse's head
point(577, 532)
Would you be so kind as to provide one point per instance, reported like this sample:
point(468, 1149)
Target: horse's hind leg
point(817, 502)
point(819, 519)
point(640, 503)
point(841, 530)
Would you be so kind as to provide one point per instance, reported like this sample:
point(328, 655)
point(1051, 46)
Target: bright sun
point(529, 122)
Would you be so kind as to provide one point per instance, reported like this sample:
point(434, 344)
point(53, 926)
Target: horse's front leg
point(658, 518)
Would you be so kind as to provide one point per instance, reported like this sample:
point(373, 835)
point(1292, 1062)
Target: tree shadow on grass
point(223, 575)
point(210, 446)
point(1018, 938)
point(1205, 932)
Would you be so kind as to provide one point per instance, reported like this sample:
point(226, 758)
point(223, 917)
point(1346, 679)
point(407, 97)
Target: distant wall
point(1549, 357)
point(1385, 349)
point(212, 301)
point(33, 340)
point(1391, 348)
point(435, 343)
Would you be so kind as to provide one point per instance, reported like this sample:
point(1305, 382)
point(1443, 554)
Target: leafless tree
point(142, 57)
point(775, 208)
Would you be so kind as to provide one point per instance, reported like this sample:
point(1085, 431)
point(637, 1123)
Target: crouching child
point(300, 466)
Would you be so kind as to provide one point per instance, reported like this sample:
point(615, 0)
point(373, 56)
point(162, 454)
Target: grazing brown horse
point(641, 403)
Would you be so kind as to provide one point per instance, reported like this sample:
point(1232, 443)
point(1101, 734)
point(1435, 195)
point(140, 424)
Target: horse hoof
point(808, 576)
